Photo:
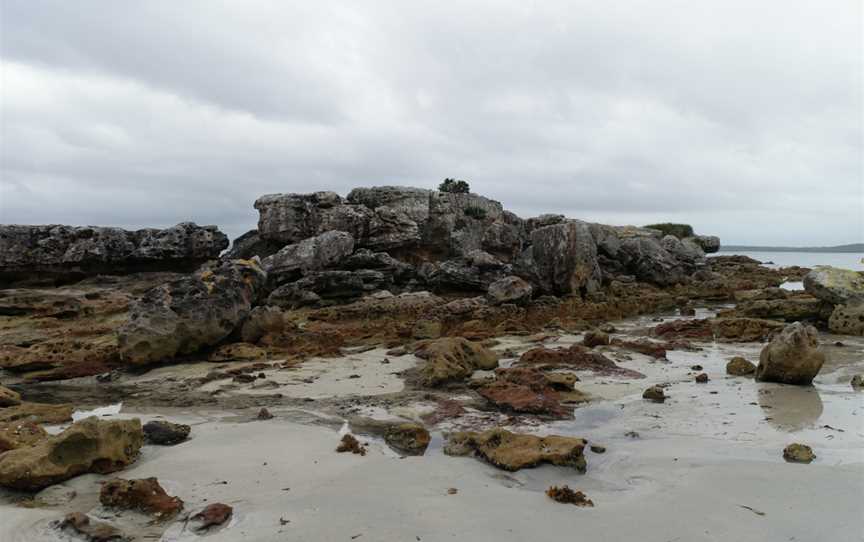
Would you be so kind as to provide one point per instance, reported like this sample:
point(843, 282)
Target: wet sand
point(705, 465)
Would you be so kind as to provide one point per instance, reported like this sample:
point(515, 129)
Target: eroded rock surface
point(514, 451)
point(90, 445)
point(792, 357)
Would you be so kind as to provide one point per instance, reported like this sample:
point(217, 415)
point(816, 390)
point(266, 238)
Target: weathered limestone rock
point(213, 515)
point(19, 434)
point(37, 413)
point(249, 245)
point(834, 285)
point(655, 394)
point(646, 258)
point(720, 329)
point(739, 366)
point(528, 390)
point(9, 398)
point(790, 309)
point(798, 453)
point(574, 357)
point(165, 433)
point(594, 338)
point(261, 321)
point(185, 315)
point(565, 258)
point(514, 451)
point(792, 356)
point(686, 251)
point(408, 438)
point(144, 495)
point(328, 286)
point(312, 254)
point(68, 253)
point(453, 358)
point(847, 319)
point(510, 290)
point(90, 445)
point(290, 218)
point(708, 243)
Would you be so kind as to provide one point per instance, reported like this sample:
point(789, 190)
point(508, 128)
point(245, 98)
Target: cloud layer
point(742, 118)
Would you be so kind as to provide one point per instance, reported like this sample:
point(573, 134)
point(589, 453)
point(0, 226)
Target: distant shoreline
point(844, 249)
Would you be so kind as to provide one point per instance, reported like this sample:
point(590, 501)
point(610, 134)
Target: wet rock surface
point(739, 366)
point(514, 451)
point(142, 495)
point(213, 515)
point(90, 445)
point(798, 453)
point(81, 526)
point(792, 357)
point(165, 433)
point(452, 359)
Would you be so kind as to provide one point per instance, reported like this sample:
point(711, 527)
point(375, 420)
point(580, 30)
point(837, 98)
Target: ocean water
point(845, 260)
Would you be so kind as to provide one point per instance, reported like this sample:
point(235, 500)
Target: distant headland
point(853, 248)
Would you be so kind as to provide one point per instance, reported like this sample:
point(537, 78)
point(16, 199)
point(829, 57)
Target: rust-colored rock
point(530, 391)
point(720, 329)
point(143, 495)
point(642, 346)
point(701, 378)
point(574, 357)
point(595, 338)
point(565, 495)
point(349, 443)
point(212, 515)
point(90, 445)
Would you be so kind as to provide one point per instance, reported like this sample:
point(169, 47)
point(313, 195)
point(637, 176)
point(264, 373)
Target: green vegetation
point(475, 212)
point(454, 187)
point(678, 230)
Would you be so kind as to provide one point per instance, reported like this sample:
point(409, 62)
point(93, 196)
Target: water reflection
point(790, 408)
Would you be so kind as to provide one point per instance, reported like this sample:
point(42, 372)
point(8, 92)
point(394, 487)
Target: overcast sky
point(742, 118)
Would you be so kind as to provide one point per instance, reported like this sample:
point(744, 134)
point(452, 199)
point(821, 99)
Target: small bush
point(477, 213)
point(454, 187)
point(678, 230)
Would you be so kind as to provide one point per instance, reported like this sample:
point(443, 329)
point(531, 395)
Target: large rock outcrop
point(834, 285)
point(565, 258)
point(69, 253)
point(90, 445)
point(312, 254)
point(792, 356)
point(185, 315)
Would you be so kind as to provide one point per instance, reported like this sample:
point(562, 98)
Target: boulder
point(688, 253)
point(847, 319)
point(655, 394)
point(407, 438)
point(565, 259)
point(261, 321)
point(510, 289)
point(312, 254)
point(529, 391)
point(798, 453)
point(645, 257)
point(69, 253)
point(90, 445)
point(514, 451)
point(249, 245)
point(453, 358)
point(792, 356)
point(9, 398)
point(290, 218)
point(165, 433)
point(142, 495)
point(789, 310)
point(212, 515)
point(185, 315)
point(574, 357)
point(857, 382)
point(834, 285)
point(739, 366)
point(708, 243)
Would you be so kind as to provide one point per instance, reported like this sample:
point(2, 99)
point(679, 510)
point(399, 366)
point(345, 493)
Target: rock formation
point(792, 356)
point(91, 445)
point(68, 253)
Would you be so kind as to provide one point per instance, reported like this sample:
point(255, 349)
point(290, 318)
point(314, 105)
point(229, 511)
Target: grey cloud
point(744, 119)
